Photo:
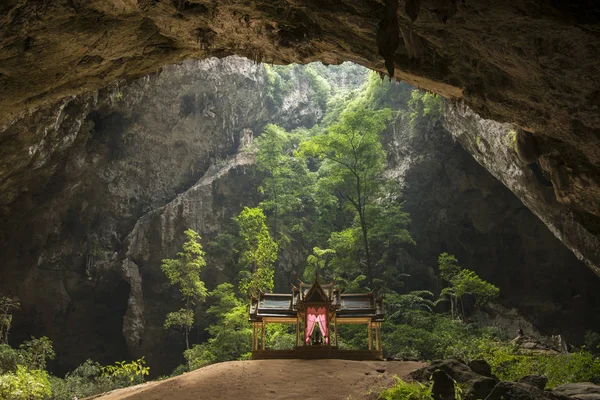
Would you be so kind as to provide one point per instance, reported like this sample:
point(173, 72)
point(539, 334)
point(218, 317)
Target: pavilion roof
point(287, 305)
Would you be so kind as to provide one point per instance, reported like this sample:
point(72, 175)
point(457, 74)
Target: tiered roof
point(347, 306)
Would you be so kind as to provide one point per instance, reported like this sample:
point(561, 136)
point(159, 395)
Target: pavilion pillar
point(297, 330)
point(370, 328)
point(378, 337)
point(253, 336)
point(335, 329)
point(263, 334)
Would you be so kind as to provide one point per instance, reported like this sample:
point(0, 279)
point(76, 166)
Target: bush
point(9, 359)
point(407, 391)
point(24, 384)
point(511, 363)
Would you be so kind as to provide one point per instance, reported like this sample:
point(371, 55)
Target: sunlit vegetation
point(184, 273)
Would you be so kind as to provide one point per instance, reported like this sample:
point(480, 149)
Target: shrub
point(24, 384)
point(407, 391)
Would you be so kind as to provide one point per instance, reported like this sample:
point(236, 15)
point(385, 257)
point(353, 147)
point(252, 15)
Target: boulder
point(580, 391)
point(477, 386)
point(481, 367)
point(535, 380)
point(521, 391)
point(443, 386)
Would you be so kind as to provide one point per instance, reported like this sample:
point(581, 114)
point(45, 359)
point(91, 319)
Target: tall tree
point(184, 272)
point(354, 160)
point(287, 184)
point(259, 251)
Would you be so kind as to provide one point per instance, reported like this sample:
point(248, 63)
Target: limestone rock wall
point(530, 63)
point(458, 207)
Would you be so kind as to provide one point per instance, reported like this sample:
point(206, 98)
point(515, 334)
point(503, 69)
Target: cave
point(122, 123)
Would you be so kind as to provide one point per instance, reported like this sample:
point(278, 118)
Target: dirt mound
point(274, 379)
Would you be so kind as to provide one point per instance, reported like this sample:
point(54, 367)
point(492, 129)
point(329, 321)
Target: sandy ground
point(274, 379)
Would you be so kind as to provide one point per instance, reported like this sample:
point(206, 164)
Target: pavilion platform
point(318, 352)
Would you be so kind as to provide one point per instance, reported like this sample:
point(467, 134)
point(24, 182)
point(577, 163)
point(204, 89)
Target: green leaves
point(231, 333)
point(463, 282)
point(448, 266)
point(259, 251)
point(183, 318)
point(132, 371)
point(184, 272)
point(34, 353)
point(24, 384)
point(468, 282)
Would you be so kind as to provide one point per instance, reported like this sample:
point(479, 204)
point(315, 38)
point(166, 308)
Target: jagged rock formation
point(496, 146)
point(458, 207)
point(532, 63)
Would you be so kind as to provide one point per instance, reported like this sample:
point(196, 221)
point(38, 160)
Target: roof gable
point(316, 294)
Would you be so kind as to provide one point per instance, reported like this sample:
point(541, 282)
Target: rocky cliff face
point(531, 63)
point(459, 207)
point(99, 189)
point(496, 146)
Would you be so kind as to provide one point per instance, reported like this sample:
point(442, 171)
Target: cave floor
point(274, 379)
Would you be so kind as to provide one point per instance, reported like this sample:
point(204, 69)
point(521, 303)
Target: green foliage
point(132, 372)
point(24, 384)
point(509, 362)
point(9, 358)
point(427, 109)
point(91, 378)
point(184, 273)
point(85, 380)
point(279, 83)
point(259, 251)
point(591, 341)
point(7, 305)
point(353, 163)
point(34, 353)
point(448, 266)
point(397, 304)
point(231, 333)
point(511, 139)
point(286, 186)
point(319, 84)
point(462, 282)
point(183, 318)
point(319, 261)
point(407, 391)
point(467, 282)
point(281, 336)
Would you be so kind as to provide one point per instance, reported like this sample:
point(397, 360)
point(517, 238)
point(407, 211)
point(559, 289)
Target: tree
point(184, 272)
point(354, 160)
point(319, 260)
point(7, 304)
point(33, 353)
point(259, 251)
point(462, 282)
point(287, 184)
point(231, 334)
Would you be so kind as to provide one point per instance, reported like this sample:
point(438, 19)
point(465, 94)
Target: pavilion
point(315, 309)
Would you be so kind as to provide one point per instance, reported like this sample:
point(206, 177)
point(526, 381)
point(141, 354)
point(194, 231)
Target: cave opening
point(118, 174)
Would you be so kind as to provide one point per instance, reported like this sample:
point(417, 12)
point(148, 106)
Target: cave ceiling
point(532, 63)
